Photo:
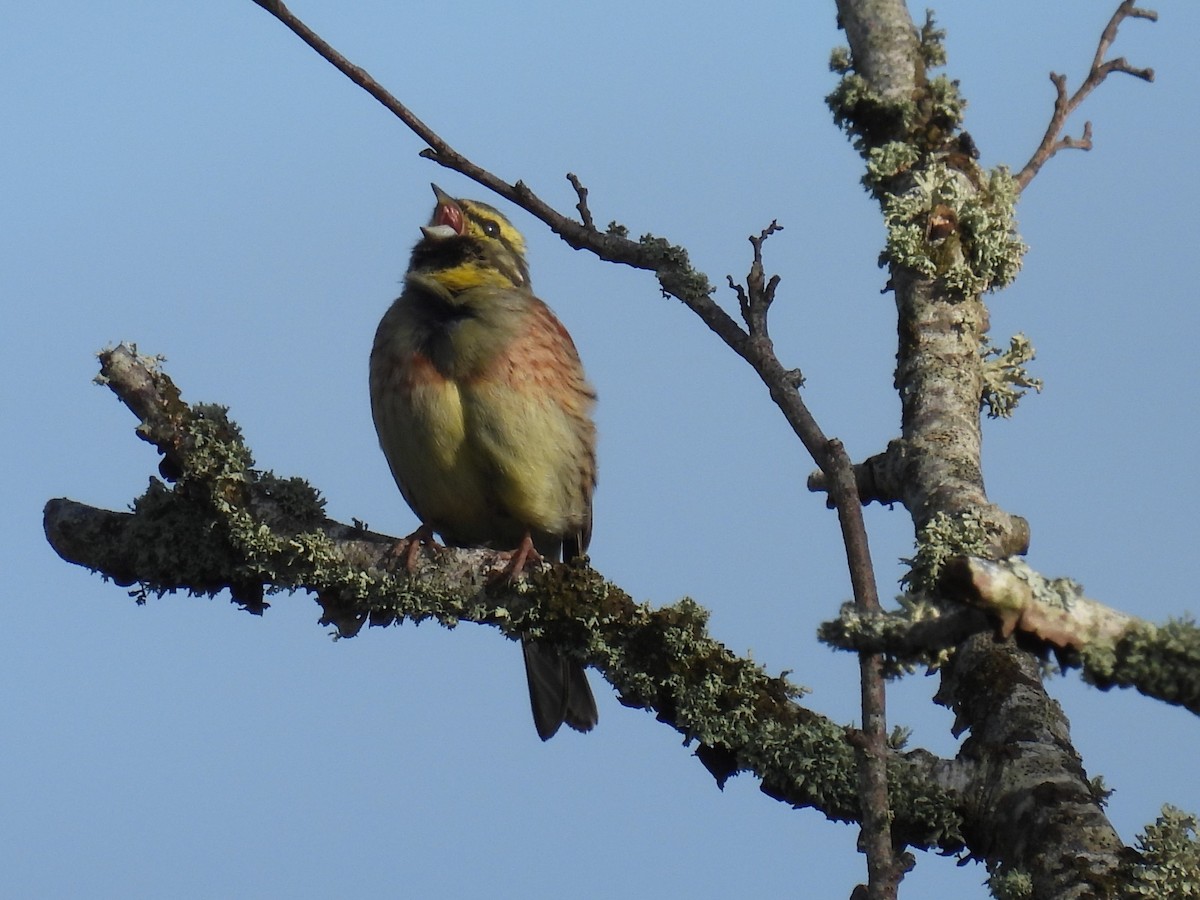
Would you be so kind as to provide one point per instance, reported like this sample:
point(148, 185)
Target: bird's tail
point(558, 690)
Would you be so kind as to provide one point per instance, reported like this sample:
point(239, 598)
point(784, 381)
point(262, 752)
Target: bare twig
point(1065, 105)
point(756, 297)
point(875, 841)
point(883, 868)
point(582, 193)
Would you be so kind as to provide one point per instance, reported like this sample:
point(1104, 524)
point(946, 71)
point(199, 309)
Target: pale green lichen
point(1099, 790)
point(976, 247)
point(948, 221)
point(933, 42)
point(866, 116)
point(839, 60)
point(1169, 868)
point(988, 219)
point(852, 630)
point(927, 121)
point(899, 737)
point(225, 525)
point(1161, 661)
point(674, 269)
point(889, 160)
point(151, 363)
point(942, 538)
point(1014, 585)
point(1005, 378)
point(1010, 884)
point(943, 105)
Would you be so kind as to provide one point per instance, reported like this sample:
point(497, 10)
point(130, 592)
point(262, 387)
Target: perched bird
point(484, 414)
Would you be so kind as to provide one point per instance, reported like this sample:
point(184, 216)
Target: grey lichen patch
point(674, 268)
point(921, 802)
point(948, 221)
point(151, 363)
point(988, 219)
point(899, 737)
point(867, 117)
point(927, 120)
point(893, 630)
point(933, 42)
point(941, 111)
point(839, 60)
point(1008, 883)
point(170, 545)
point(947, 229)
point(1005, 378)
point(1169, 866)
point(1113, 648)
point(942, 538)
point(227, 525)
point(217, 458)
point(1161, 661)
point(1099, 790)
point(665, 659)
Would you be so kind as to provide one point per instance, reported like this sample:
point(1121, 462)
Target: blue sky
point(192, 178)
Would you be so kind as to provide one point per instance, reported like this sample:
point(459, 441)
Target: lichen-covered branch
point(1111, 647)
point(951, 239)
point(1028, 791)
point(1005, 597)
point(920, 633)
point(223, 524)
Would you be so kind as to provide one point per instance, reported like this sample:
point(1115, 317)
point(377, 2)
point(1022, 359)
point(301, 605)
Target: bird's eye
point(491, 228)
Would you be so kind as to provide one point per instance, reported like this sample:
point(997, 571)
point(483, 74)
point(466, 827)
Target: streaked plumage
point(484, 414)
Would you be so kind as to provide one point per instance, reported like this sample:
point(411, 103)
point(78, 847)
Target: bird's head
point(469, 244)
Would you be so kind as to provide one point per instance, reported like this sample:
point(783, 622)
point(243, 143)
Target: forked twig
point(1065, 104)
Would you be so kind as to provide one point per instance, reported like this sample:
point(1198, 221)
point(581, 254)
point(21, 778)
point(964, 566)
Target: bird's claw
point(406, 549)
point(516, 561)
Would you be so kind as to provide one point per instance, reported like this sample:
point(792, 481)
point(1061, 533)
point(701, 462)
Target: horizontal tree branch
point(223, 524)
point(1111, 648)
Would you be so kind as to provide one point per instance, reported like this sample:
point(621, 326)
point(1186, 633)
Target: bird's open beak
point(447, 218)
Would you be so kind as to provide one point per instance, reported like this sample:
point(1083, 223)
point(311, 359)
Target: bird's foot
point(407, 549)
point(516, 561)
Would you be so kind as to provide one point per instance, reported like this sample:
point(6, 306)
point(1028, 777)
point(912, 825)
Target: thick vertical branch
point(939, 369)
point(886, 53)
point(1058, 833)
